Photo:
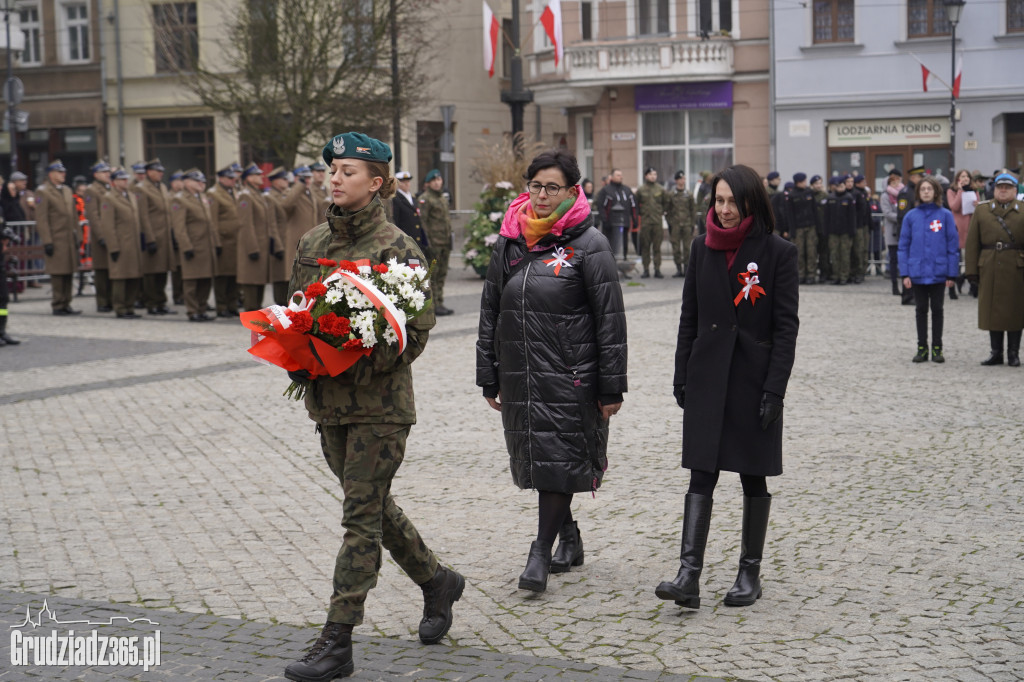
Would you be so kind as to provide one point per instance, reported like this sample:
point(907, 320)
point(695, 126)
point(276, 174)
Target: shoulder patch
point(307, 260)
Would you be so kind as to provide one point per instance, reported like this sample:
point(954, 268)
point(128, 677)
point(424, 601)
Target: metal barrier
point(25, 257)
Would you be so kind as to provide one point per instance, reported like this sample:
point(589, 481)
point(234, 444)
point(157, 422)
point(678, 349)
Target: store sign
point(673, 96)
point(885, 132)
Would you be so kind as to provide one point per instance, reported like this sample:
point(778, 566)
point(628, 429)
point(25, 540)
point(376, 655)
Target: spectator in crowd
point(955, 202)
point(618, 211)
point(888, 203)
point(7, 236)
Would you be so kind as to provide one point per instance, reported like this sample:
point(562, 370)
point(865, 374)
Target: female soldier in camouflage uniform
point(364, 415)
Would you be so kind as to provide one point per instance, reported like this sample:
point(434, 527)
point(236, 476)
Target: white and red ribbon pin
point(935, 225)
point(561, 256)
point(751, 285)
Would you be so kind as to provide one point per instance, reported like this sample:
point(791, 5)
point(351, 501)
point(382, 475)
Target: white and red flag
point(491, 29)
point(551, 19)
point(930, 79)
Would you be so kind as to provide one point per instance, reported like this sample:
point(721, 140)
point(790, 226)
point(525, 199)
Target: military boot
point(1012, 348)
point(570, 548)
point(657, 274)
point(747, 588)
point(996, 358)
point(684, 589)
point(439, 593)
point(538, 563)
point(329, 657)
point(646, 274)
point(679, 271)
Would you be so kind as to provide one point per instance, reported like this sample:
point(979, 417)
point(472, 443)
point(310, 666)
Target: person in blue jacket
point(929, 261)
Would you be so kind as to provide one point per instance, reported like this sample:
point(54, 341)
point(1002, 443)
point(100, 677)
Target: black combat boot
point(570, 548)
point(5, 338)
point(679, 271)
point(996, 358)
point(535, 577)
point(747, 588)
point(646, 274)
point(657, 273)
point(439, 593)
point(1012, 348)
point(330, 656)
point(684, 589)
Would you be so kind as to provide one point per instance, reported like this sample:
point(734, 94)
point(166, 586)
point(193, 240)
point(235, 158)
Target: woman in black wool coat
point(551, 353)
point(734, 355)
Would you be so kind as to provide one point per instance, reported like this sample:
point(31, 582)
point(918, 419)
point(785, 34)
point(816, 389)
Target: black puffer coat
point(553, 340)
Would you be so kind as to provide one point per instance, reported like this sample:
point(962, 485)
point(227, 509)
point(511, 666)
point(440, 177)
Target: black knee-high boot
point(1013, 348)
point(747, 588)
point(684, 589)
point(996, 358)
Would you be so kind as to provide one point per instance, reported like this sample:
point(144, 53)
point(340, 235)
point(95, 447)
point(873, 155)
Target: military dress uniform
point(198, 242)
point(436, 222)
point(157, 259)
point(652, 203)
point(256, 232)
point(123, 232)
point(824, 264)
point(301, 215)
point(224, 213)
point(93, 197)
point(859, 247)
point(681, 216)
point(364, 416)
point(841, 219)
point(280, 266)
point(802, 216)
point(57, 225)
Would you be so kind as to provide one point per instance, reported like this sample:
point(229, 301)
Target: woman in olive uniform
point(364, 415)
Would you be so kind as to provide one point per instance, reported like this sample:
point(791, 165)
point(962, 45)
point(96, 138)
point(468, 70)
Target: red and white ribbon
point(561, 256)
point(394, 317)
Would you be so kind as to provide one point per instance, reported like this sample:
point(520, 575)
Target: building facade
point(849, 87)
point(60, 67)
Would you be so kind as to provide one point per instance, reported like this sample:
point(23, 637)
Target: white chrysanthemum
point(333, 296)
point(504, 184)
point(406, 291)
point(369, 340)
point(472, 253)
point(393, 298)
point(390, 336)
point(494, 216)
point(417, 300)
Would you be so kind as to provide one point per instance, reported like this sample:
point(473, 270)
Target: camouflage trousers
point(651, 237)
point(440, 256)
point(680, 237)
point(859, 252)
point(807, 252)
point(839, 246)
point(365, 457)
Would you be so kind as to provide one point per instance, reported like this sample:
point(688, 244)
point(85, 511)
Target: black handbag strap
point(1005, 228)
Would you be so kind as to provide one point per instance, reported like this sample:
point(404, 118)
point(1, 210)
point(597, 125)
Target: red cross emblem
point(935, 225)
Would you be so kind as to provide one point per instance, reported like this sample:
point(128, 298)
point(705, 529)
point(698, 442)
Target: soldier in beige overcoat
point(122, 230)
point(280, 268)
point(300, 207)
point(57, 224)
point(157, 260)
point(93, 197)
point(995, 260)
point(224, 211)
point(256, 232)
point(198, 243)
point(318, 188)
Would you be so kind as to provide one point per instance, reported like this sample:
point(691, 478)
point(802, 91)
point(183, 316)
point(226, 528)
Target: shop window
point(585, 145)
point(833, 21)
point(32, 28)
point(688, 140)
point(926, 18)
point(652, 17)
point(714, 16)
point(176, 34)
point(1014, 16)
point(359, 33)
point(180, 142)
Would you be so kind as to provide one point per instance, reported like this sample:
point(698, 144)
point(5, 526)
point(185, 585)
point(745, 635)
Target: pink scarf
point(729, 241)
point(894, 191)
point(512, 229)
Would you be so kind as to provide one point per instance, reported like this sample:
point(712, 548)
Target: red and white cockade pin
point(751, 285)
point(935, 225)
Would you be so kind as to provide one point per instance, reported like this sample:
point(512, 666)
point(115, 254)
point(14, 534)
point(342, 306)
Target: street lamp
point(954, 8)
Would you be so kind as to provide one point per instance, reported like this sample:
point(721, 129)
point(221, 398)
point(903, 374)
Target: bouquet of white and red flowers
point(341, 317)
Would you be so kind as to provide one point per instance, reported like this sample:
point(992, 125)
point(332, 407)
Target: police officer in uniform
point(256, 231)
point(364, 416)
point(279, 267)
point(841, 219)
point(652, 202)
point(405, 210)
point(858, 249)
point(437, 223)
point(123, 232)
point(224, 212)
point(905, 202)
point(802, 217)
point(192, 222)
point(681, 216)
point(158, 259)
point(93, 197)
point(57, 225)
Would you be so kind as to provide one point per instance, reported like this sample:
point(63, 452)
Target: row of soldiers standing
point(235, 240)
point(681, 210)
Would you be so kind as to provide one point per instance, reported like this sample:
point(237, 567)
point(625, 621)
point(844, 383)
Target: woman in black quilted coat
point(551, 352)
point(737, 340)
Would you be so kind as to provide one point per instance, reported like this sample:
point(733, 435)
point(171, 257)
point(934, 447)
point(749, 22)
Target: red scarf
point(728, 240)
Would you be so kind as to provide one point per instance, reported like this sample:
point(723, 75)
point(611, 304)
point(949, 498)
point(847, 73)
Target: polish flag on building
point(928, 76)
point(551, 19)
point(490, 40)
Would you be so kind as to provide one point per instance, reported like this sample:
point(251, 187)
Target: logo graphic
point(935, 225)
point(363, 150)
point(338, 145)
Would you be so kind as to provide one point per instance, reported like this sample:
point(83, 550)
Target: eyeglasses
point(549, 189)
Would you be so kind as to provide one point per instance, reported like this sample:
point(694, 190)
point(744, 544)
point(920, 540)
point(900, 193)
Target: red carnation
point(334, 325)
point(302, 321)
point(382, 268)
point(349, 266)
point(353, 344)
point(327, 262)
point(315, 289)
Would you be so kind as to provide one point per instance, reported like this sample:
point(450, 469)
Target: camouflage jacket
point(378, 388)
point(652, 200)
point(435, 218)
point(681, 209)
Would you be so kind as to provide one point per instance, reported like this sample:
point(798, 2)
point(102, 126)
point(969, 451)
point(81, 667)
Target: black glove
point(114, 255)
point(151, 247)
point(190, 254)
point(48, 249)
point(300, 376)
point(254, 255)
point(279, 255)
point(102, 241)
point(220, 250)
point(680, 393)
point(771, 409)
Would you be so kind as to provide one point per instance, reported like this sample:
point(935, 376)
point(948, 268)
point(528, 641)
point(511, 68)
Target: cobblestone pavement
point(151, 464)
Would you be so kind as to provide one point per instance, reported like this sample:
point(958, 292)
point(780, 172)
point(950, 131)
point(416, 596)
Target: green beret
point(432, 174)
point(356, 146)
